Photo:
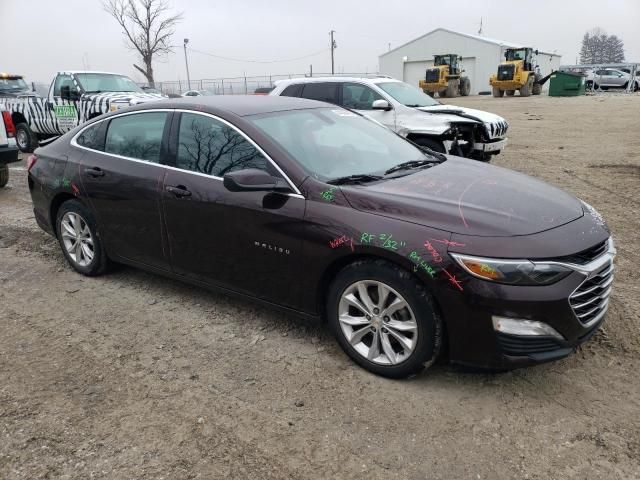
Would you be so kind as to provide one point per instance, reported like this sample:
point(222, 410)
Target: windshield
point(13, 85)
point(516, 54)
point(408, 95)
point(332, 143)
point(106, 82)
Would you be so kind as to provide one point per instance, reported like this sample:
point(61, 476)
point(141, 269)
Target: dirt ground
point(133, 376)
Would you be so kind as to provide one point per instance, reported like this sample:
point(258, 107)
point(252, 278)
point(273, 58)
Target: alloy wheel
point(77, 238)
point(378, 322)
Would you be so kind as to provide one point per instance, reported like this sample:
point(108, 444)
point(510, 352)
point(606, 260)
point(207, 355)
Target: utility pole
point(186, 40)
point(333, 47)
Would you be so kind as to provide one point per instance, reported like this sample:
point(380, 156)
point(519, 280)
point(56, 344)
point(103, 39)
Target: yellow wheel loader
point(445, 78)
point(517, 72)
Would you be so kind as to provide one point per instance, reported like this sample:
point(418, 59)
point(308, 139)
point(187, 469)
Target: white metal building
point(480, 57)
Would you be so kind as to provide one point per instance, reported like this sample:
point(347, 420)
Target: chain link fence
point(237, 85)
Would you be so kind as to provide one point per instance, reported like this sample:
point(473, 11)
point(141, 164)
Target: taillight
point(8, 124)
point(31, 161)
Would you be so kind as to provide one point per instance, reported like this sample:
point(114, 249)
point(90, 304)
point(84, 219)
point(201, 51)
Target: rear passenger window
point(292, 91)
point(92, 137)
point(324, 92)
point(136, 136)
point(212, 147)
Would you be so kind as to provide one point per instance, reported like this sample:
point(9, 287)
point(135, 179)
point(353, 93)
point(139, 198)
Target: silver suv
point(605, 78)
point(408, 111)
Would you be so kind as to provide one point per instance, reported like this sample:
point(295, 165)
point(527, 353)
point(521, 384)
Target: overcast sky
point(40, 37)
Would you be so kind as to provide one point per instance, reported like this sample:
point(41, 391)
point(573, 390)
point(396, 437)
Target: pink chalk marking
point(76, 190)
point(453, 279)
point(449, 242)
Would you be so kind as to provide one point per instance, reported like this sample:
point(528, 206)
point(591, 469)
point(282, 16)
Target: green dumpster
point(566, 84)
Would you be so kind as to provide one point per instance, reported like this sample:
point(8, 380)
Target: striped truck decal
point(40, 112)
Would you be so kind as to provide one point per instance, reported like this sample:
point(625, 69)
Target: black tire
point(4, 174)
point(430, 143)
point(453, 86)
point(100, 262)
point(442, 93)
point(431, 94)
point(429, 324)
point(497, 93)
point(465, 86)
point(510, 93)
point(525, 90)
point(25, 138)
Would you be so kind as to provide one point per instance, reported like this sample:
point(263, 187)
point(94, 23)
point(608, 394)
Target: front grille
point(585, 256)
point(505, 72)
point(591, 299)
point(432, 75)
point(498, 129)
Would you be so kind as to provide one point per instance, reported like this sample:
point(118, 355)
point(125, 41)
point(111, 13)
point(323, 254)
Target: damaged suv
point(409, 112)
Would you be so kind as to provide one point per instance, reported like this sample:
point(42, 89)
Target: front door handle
point(94, 172)
point(178, 190)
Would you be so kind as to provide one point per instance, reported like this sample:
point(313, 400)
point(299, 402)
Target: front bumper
point(490, 147)
point(475, 341)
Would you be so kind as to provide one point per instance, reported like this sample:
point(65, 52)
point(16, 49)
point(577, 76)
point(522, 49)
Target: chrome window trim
point(74, 143)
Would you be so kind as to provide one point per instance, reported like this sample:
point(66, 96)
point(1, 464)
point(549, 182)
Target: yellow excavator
point(445, 78)
point(517, 72)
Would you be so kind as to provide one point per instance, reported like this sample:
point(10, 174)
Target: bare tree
point(147, 26)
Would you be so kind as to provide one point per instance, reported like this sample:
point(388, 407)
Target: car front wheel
point(77, 234)
point(384, 318)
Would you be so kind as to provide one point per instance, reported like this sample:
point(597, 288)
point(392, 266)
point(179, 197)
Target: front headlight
point(512, 272)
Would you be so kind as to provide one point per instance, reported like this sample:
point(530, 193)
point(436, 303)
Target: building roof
point(480, 38)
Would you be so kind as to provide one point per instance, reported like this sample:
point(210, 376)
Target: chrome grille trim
point(590, 300)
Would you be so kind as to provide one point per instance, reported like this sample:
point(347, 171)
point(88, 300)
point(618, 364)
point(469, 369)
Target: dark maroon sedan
point(326, 214)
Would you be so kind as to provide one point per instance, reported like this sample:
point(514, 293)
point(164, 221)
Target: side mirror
point(536, 52)
point(254, 180)
point(381, 105)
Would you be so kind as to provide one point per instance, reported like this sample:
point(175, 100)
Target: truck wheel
point(465, 86)
point(25, 138)
point(431, 94)
point(452, 88)
point(442, 94)
point(497, 92)
point(4, 174)
point(430, 143)
point(525, 90)
point(510, 93)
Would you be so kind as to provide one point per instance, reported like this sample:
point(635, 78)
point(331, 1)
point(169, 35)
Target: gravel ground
point(131, 375)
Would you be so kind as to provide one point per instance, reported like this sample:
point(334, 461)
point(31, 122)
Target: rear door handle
point(178, 190)
point(94, 172)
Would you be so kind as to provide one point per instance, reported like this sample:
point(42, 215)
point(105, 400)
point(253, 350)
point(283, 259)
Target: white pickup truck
point(408, 111)
point(74, 97)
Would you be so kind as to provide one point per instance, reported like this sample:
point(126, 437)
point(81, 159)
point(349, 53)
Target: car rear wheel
point(25, 138)
point(4, 174)
point(384, 318)
point(78, 237)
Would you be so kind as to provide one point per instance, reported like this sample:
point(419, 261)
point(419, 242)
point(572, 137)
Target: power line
point(258, 61)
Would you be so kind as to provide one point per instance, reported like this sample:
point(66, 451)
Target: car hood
point(413, 120)
point(468, 113)
point(469, 197)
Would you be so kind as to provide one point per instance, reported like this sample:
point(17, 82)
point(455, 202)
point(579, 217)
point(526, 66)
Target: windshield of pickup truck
point(407, 94)
point(13, 85)
point(106, 82)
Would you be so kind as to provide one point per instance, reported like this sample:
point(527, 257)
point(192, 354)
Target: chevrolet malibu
point(323, 213)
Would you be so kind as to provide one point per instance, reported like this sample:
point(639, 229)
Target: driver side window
point(63, 81)
point(358, 97)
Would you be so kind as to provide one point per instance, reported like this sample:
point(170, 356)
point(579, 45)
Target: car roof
point(376, 79)
point(239, 105)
